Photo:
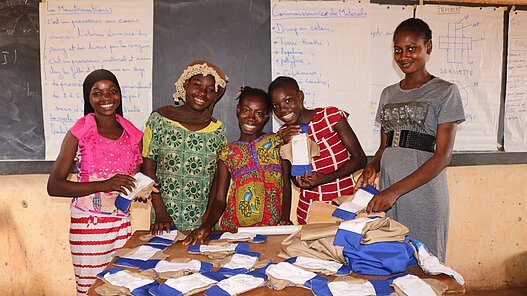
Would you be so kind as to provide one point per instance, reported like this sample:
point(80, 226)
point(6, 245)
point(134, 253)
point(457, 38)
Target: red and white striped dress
point(97, 228)
point(333, 155)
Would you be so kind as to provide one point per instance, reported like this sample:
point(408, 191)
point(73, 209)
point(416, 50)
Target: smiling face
point(105, 97)
point(252, 115)
point(411, 51)
point(287, 104)
point(199, 92)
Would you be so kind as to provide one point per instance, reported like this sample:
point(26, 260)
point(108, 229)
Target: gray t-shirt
point(401, 109)
point(424, 210)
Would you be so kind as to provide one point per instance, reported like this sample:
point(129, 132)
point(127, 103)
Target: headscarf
point(90, 80)
point(198, 67)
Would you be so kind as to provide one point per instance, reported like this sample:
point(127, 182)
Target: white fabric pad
point(241, 261)
point(312, 263)
point(431, 264)
point(171, 236)
point(217, 248)
point(141, 182)
point(287, 271)
point(188, 283)
point(237, 236)
point(164, 266)
point(144, 252)
point(412, 285)
point(355, 225)
point(341, 288)
point(359, 202)
point(299, 149)
point(125, 279)
point(240, 283)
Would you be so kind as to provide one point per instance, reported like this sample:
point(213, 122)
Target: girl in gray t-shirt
point(418, 117)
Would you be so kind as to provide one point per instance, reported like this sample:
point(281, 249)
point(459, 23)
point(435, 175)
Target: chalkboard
point(234, 34)
point(21, 128)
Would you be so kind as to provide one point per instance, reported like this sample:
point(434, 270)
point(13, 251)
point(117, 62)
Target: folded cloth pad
point(237, 284)
point(240, 262)
point(283, 274)
point(187, 285)
point(359, 287)
point(176, 267)
point(411, 285)
point(167, 238)
point(431, 265)
point(219, 250)
point(348, 209)
point(143, 187)
point(300, 151)
point(349, 233)
point(324, 267)
point(238, 237)
point(138, 257)
point(360, 230)
point(136, 284)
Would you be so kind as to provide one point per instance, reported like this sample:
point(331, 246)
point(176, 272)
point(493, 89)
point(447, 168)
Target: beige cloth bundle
point(316, 240)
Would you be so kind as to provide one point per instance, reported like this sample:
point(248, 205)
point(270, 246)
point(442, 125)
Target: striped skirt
point(94, 238)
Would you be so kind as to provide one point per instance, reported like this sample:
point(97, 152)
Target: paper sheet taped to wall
point(77, 37)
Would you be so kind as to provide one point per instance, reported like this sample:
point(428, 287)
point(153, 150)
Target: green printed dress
point(186, 162)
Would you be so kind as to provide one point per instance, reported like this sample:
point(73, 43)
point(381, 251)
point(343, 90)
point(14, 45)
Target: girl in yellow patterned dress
point(258, 195)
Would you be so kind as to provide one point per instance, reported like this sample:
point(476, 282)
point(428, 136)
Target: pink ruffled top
point(99, 158)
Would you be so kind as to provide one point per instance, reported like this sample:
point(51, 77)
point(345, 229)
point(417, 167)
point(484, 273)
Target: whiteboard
point(340, 54)
point(467, 50)
point(515, 119)
point(77, 37)
point(383, 21)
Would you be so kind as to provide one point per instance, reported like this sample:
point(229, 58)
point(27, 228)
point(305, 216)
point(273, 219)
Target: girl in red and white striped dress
point(107, 149)
point(340, 151)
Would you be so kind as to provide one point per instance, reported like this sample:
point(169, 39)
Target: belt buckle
point(396, 136)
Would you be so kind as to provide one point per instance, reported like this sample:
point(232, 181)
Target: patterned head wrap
point(204, 68)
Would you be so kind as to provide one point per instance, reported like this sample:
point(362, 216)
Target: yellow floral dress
point(255, 195)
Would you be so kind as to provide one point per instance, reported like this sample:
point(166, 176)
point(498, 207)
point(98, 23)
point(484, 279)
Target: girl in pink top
point(107, 150)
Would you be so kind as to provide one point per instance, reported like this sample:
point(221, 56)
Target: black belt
point(412, 140)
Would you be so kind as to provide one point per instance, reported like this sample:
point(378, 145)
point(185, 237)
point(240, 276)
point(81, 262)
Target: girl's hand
point(163, 221)
point(382, 202)
point(366, 178)
point(118, 183)
point(197, 236)
point(308, 182)
point(289, 132)
point(145, 199)
point(285, 222)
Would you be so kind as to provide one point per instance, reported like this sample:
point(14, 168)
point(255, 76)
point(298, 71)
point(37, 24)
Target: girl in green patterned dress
point(180, 148)
point(260, 191)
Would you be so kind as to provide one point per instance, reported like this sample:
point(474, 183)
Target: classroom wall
point(487, 244)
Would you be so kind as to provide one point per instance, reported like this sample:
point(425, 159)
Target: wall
point(487, 243)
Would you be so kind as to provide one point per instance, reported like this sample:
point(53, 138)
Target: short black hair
point(416, 25)
point(247, 91)
point(90, 80)
point(282, 81)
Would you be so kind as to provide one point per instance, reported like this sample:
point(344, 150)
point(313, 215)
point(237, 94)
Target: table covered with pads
point(320, 259)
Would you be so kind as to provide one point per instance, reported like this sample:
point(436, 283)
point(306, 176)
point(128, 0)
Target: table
point(269, 250)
